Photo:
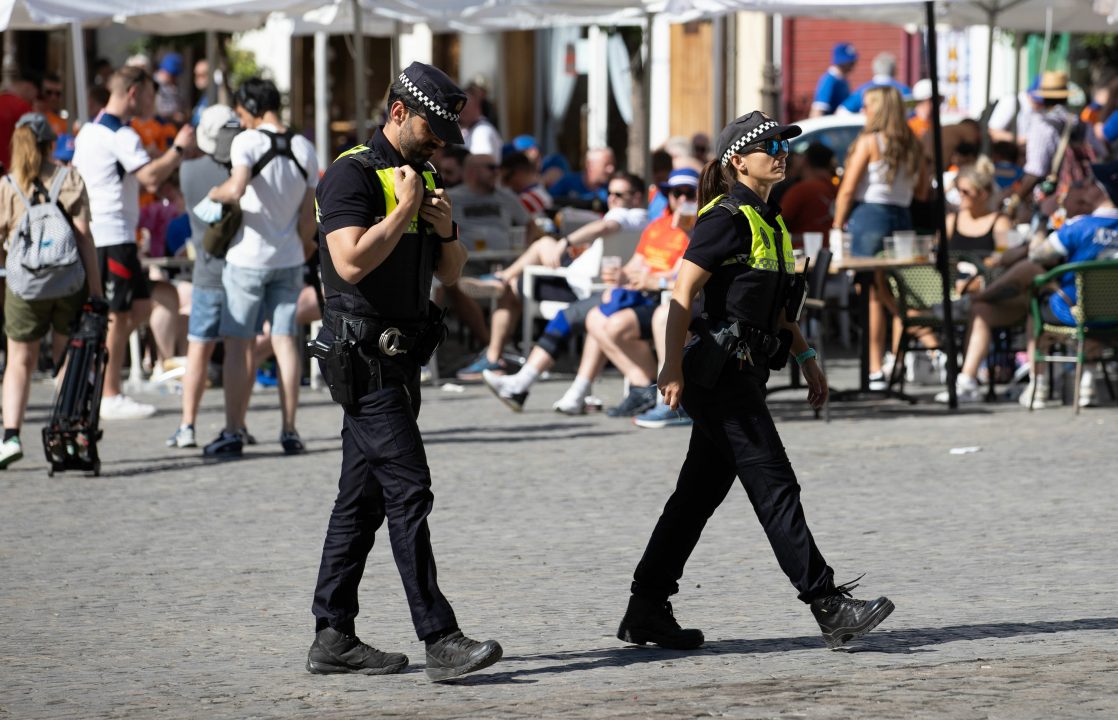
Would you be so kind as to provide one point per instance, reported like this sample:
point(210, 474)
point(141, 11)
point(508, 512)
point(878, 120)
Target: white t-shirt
point(269, 238)
point(107, 153)
point(483, 139)
point(630, 219)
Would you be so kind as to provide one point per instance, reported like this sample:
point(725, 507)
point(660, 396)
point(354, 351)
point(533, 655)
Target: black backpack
point(220, 234)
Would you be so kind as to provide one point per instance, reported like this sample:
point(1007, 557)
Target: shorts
point(644, 319)
point(29, 320)
point(122, 276)
point(869, 223)
point(253, 295)
point(206, 305)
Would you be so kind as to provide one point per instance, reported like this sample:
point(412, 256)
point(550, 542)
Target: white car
point(839, 131)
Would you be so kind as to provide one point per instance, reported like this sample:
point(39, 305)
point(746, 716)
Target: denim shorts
point(253, 295)
point(205, 314)
point(869, 223)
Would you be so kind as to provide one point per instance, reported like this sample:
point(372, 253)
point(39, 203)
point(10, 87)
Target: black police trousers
point(384, 475)
point(733, 435)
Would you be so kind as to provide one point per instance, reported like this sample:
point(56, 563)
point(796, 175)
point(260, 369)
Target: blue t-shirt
point(1110, 127)
point(854, 102)
point(658, 204)
point(831, 91)
point(1088, 237)
point(572, 186)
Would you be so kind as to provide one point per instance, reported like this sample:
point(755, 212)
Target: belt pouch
point(338, 371)
point(779, 359)
point(430, 337)
point(715, 347)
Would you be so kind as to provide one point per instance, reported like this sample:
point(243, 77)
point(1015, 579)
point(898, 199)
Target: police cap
point(747, 131)
point(437, 97)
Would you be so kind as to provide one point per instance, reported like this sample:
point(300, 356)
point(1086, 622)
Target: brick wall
point(807, 54)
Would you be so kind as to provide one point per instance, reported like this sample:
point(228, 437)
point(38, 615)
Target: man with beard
point(385, 229)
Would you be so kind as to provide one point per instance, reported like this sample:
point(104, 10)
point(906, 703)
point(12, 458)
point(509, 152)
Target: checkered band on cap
point(426, 101)
point(747, 139)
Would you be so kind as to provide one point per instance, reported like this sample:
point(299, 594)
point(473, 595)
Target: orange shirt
point(919, 125)
point(809, 206)
point(155, 133)
point(57, 124)
point(661, 245)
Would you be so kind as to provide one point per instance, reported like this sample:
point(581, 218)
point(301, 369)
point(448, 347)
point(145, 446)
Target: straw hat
point(1053, 86)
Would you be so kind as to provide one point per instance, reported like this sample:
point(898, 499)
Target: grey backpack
point(43, 260)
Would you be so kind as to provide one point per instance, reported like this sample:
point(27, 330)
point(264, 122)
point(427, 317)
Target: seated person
point(1089, 237)
point(590, 185)
point(651, 270)
point(488, 217)
point(625, 214)
point(623, 335)
point(809, 204)
point(520, 176)
point(1006, 301)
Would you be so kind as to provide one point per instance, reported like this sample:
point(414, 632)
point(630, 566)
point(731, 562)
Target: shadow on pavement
point(903, 641)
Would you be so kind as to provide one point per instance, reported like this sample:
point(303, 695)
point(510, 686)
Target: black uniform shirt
point(350, 195)
point(735, 291)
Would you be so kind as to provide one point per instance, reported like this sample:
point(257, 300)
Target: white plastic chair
point(580, 275)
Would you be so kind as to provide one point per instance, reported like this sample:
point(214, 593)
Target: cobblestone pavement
point(170, 588)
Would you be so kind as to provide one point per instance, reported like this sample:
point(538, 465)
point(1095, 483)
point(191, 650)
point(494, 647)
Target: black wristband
point(179, 150)
point(453, 234)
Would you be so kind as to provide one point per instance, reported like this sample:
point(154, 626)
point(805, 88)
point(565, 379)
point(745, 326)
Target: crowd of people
point(157, 175)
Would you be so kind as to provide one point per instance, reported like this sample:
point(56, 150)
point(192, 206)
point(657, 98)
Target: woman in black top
point(741, 257)
point(972, 229)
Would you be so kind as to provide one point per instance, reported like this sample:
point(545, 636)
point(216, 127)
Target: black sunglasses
point(687, 192)
point(620, 194)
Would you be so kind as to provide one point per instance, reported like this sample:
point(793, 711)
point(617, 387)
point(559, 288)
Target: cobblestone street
point(173, 588)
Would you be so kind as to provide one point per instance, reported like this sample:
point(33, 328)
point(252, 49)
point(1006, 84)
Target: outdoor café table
point(864, 269)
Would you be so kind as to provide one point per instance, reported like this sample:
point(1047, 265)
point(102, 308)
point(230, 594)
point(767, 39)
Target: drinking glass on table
point(611, 270)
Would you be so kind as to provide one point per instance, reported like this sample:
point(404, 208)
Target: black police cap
point(749, 130)
point(438, 97)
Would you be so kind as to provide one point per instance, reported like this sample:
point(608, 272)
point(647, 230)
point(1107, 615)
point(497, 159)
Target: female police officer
point(741, 257)
point(385, 231)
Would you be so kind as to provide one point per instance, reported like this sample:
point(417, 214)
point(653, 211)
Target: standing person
point(833, 87)
point(884, 73)
point(16, 100)
point(479, 135)
point(740, 256)
point(884, 172)
point(114, 165)
point(386, 230)
point(202, 81)
point(50, 104)
point(217, 126)
point(26, 322)
point(274, 176)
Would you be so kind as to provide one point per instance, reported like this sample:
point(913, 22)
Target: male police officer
point(385, 228)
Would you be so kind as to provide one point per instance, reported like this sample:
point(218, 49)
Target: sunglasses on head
point(685, 191)
point(772, 147)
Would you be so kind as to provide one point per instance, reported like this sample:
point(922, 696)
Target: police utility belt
point(749, 348)
point(352, 358)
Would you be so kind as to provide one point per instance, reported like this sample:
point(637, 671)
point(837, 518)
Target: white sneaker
point(1087, 389)
point(1040, 403)
point(570, 404)
point(879, 381)
point(122, 407)
point(183, 437)
point(10, 451)
point(967, 390)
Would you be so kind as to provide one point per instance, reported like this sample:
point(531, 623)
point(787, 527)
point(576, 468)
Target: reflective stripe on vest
point(763, 254)
point(387, 178)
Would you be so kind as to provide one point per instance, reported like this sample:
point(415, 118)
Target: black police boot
point(455, 654)
point(648, 621)
point(335, 652)
point(842, 618)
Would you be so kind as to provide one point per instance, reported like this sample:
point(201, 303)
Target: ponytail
point(27, 157)
point(715, 180)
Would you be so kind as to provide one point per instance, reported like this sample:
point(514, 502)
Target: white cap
point(213, 119)
point(922, 90)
